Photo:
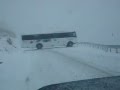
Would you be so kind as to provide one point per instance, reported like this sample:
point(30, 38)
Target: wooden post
point(116, 50)
point(110, 49)
point(1, 62)
point(106, 49)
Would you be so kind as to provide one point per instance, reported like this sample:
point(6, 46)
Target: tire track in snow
point(79, 61)
point(82, 62)
point(57, 63)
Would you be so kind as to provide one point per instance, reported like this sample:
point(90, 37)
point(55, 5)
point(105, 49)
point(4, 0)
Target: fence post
point(110, 49)
point(106, 49)
point(116, 50)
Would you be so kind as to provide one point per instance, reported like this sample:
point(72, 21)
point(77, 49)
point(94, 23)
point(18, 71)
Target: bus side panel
point(62, 42)
point(54, 42)
point(28, 43)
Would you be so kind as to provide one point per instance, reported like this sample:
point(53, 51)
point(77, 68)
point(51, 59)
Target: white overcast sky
point(90, 18)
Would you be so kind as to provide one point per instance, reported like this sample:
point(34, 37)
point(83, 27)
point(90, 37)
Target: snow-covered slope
point(7, 40)
point(94, 21)
point(7, 44)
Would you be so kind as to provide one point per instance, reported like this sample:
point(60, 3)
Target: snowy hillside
point(7, 40)
point(95, 21)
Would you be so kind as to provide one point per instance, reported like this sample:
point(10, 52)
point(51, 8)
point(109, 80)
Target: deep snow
point(33, 69)
point(94, 21)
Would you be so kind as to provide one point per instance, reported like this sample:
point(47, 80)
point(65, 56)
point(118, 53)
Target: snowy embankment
point(30, 70)
point(106, 61)
point(7, 40)
point(7, 45)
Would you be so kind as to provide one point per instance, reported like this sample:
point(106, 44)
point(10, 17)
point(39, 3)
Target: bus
point(39, 41)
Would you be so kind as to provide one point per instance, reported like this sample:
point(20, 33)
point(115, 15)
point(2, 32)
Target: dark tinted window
point(63, 35)
point(28, 37)
point(48, 36)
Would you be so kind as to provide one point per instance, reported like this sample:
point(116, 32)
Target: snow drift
point(7, 40)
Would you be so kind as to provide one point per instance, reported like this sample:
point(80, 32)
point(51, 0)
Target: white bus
point(39, 41)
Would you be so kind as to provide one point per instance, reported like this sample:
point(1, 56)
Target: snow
point(33, 69)
point(95, 21)
point(13, 71)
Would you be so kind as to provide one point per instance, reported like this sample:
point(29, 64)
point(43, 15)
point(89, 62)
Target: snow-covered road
point(30, 70)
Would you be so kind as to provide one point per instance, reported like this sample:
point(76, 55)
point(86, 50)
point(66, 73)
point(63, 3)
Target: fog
point(93, 20)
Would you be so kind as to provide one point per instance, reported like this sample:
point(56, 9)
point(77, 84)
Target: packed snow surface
point(33, 69)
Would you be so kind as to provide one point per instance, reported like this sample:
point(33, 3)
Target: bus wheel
point(39, 46)
point(70, 44)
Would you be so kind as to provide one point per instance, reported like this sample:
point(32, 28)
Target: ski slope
point(33, 69)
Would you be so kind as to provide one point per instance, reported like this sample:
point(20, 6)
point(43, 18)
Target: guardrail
point(106, 48)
